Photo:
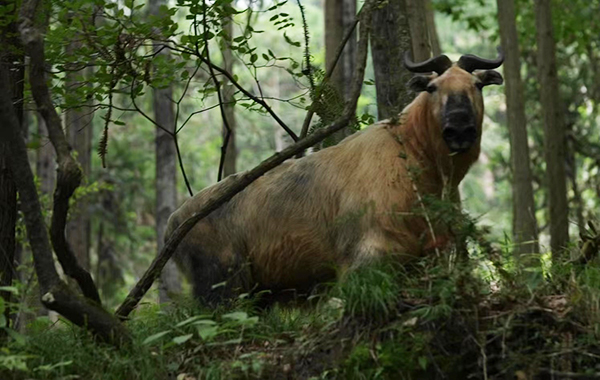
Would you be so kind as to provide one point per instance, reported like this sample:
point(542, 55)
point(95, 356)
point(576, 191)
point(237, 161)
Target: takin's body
point(306, 220)
point(337, 208)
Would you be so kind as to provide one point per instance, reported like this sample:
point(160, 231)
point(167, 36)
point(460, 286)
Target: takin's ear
point(418, 83)
point(488, 77)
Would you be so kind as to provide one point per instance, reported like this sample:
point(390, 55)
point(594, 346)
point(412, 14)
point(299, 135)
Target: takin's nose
point(459, 138)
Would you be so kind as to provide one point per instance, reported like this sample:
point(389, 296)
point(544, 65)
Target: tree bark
point(419, 29)
point(79, 129)
point(339, 18)
point(524, 222)
point(229, 108)
point(11, 58)
point(554, 128)
point(166, 171)
point(45, 160)
point(390, 39)
point(434, 40)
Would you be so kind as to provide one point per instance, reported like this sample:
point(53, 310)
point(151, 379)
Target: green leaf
point(265, 57)
point(253, 58)
point(190, 320)
point(2, 320)
point(289, 41)
point(207, 332)
point(182, 339)
point(423, 362)
point(237, 315)
point(19, 338)
point(205, 322)
point(10, 289)
point(274, 18)
point(155, 337)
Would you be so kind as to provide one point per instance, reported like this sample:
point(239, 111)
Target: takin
point(311, 219)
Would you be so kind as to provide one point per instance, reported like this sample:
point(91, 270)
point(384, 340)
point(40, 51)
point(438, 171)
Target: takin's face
point(454, 94)
point(456, 102)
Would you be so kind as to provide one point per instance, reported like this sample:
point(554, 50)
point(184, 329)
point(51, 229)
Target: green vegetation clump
point(434, 318)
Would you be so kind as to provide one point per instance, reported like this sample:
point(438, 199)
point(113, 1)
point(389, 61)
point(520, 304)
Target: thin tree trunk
point(166, 171)
point(419, 30)
point(79, 129)
point(46, 158)
point(434, 40)
point(554, 129)
point(390, 39)
point(229, 166)
point(339, 17)
point(524, 222)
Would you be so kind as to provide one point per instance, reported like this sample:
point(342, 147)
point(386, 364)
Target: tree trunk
point(79, 129)
point(339, 17)
point(166, 171)
point(434, 40)
point(554, 129)
point(229, 107)
point(390, 39)
point(419, 29)
point(524, 222)
point(11, 55)
point(46, 158)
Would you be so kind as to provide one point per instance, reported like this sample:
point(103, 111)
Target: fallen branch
point(238, 182)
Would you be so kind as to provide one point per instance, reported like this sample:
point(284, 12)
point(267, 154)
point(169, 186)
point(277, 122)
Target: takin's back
point(301, 222)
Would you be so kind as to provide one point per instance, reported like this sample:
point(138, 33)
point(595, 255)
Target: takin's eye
point(431, 88)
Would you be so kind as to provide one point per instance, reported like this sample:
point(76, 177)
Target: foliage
point(434, 318)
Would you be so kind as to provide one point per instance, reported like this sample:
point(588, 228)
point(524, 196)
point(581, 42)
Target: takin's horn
point(438, 64)
point(470, 62)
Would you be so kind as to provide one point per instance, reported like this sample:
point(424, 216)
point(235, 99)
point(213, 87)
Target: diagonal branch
point(236, 183)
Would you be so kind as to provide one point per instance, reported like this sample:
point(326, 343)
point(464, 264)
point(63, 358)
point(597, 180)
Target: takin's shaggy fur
point(310, 218)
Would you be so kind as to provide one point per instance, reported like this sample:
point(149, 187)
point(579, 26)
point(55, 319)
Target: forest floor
point(438, 318)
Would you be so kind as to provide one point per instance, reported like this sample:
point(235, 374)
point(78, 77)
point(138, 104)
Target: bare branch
point(217, 87)
point(230, 77)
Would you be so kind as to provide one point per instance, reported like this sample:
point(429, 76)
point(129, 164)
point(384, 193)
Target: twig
point(236, 183)
point(173, 135)
point(217, 86)
point(309, 72)
point(232, 80)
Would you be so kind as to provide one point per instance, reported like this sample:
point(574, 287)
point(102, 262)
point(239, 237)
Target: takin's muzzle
point(459, 128)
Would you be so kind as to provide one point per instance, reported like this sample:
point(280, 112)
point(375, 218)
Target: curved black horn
point(438, 64)
point(471, 62)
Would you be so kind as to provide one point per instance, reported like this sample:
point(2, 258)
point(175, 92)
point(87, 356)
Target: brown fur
point(335, 209)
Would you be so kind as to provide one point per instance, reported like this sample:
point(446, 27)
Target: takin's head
point(454, 94)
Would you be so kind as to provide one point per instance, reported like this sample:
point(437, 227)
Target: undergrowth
point(435, 318)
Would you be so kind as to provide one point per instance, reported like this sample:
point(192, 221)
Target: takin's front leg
point(373, 246)
point(218, 277)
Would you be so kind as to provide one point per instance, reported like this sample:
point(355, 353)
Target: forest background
point(130, 78)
